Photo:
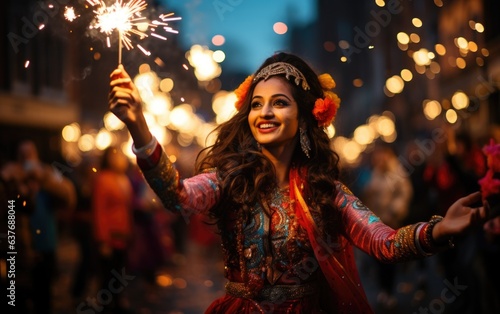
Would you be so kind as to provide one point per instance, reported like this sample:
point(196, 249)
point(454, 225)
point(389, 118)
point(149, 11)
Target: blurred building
point(54, 73)
point(397, 56)
point(470, 33)
point(36, 99)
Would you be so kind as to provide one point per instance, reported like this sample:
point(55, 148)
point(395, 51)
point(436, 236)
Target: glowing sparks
point(126, 19)
point(146, 52)
point(69, 14)
point(26, 64)
point(167, 18)
point(158, 36)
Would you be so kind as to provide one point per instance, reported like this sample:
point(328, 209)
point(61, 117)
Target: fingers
point(122, 81)
point(477, 214)
point(471, 198)
point(487, 209)
point(121, 111)
point(120, 96)
point(119, 72)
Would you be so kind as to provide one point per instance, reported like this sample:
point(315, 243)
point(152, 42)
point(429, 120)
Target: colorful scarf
point(338, 266)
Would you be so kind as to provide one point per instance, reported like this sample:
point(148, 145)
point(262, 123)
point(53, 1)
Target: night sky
point(246, 25)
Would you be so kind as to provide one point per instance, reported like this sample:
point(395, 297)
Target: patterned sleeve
point(367, 232)
point(195, 195)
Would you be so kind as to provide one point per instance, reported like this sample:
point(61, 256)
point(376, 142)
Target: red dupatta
point(338, 267)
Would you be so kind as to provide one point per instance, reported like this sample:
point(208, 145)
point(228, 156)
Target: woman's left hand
point(461, 217)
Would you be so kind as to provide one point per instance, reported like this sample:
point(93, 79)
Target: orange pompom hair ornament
point(325, 109)
point(242, 91)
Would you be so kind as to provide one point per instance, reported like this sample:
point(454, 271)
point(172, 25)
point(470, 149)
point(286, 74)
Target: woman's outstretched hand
point(125, 103)
point(461, 217)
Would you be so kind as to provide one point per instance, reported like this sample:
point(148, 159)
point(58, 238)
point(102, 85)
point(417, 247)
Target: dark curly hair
point(246, 175)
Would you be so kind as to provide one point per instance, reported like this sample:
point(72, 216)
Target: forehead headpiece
point(282, 68)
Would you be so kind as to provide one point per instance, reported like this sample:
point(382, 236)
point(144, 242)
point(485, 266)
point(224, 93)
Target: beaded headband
point(282, 68)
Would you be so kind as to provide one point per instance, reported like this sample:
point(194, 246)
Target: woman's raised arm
point(125, 103)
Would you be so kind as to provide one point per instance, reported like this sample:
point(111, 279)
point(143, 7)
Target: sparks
point(146, 52)
point(159, 62)
point(26, 64)
point(158, 36)
point(127, 20)
point(69, 14)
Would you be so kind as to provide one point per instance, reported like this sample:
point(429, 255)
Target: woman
point(271, 182)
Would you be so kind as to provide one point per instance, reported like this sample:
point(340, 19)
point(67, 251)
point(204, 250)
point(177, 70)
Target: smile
point(268, 125)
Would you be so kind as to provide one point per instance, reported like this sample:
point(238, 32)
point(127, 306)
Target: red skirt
point(231, 304)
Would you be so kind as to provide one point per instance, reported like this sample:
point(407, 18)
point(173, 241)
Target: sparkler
point(127, 20)
point(69, 14)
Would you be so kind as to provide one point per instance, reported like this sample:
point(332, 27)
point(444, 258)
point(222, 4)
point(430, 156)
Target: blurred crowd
point(107, 209)
point(421, 180)
point(122, 231)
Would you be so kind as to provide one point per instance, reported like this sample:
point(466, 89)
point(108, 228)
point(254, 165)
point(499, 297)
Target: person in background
point(44, 191)
point(82, 230)
point(387, 193)
point(112, 212)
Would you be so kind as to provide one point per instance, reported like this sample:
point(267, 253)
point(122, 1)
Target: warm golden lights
point(460, 100)
point(432, 109)
point(395, 84)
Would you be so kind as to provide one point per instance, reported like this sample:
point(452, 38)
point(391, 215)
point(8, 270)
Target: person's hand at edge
point(461, 217)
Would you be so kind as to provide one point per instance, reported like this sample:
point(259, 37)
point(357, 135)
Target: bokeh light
point(395, 84)
point(280, 28)
point(219, 56)
point(416, 22)
point(460, 100)
point(432, 109)
point(218, 40)
point(451, 116)
point(403, 38)
point(406, 75)
point(421, 57)
point(71, 132)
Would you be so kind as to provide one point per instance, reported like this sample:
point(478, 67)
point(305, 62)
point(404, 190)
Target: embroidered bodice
point(274, 244)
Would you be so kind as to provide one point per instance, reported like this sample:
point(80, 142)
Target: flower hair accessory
point(242, 91)
point(325, 109)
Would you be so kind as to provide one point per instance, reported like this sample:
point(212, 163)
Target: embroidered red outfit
point(278, 258)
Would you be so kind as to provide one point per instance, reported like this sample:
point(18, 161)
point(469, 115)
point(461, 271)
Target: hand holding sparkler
point(125, 103)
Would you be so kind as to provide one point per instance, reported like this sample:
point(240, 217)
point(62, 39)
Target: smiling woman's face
point(273, 116)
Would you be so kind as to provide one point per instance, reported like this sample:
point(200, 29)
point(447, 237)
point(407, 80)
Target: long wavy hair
point(246, 175)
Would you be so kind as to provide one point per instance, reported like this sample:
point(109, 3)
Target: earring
point(305, 144)
point(259, 147)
